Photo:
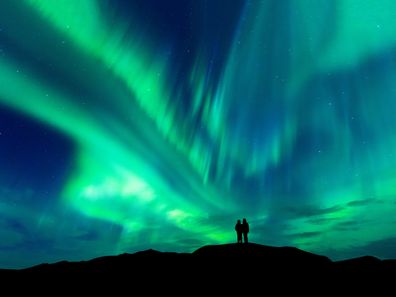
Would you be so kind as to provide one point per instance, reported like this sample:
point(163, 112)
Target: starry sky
point(129, 125)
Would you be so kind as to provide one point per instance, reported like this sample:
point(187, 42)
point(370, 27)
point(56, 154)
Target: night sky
point(129, 125)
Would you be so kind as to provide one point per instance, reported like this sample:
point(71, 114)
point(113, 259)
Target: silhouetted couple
point(242, 229)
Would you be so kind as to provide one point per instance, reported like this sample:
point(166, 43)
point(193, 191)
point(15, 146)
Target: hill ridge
point(222, 258)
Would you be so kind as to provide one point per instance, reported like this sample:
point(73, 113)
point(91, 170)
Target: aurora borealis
point(128, 125)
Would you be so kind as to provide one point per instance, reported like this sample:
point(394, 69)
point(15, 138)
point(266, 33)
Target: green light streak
point(100, 186)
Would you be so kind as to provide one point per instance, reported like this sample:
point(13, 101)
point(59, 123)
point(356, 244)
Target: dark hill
point(284, 268)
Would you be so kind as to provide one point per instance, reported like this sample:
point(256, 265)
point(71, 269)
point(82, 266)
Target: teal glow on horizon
point(179, 126)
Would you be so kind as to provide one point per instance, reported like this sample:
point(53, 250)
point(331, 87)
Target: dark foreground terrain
point(220, 267)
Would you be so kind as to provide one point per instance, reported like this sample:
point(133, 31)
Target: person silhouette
point(245, 230)
point(238, 229)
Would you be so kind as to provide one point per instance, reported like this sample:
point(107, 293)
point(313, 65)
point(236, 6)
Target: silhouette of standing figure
point(238, 229)
point(245, 230)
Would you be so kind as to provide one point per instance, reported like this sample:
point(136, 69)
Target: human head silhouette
point(244, 220)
